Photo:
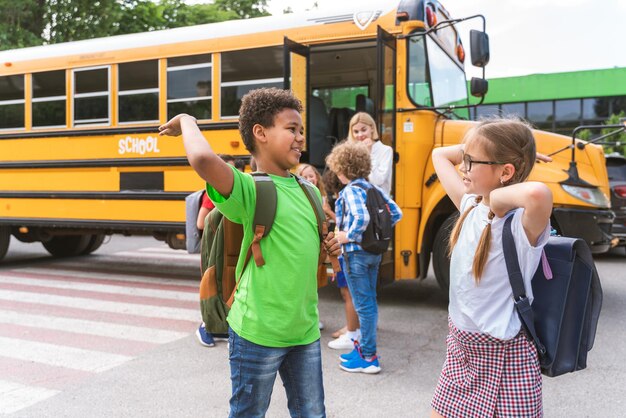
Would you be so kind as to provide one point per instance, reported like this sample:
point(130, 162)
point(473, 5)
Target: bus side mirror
point(479, 45)
point(479, 87)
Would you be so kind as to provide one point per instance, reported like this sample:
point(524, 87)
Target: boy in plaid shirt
point(352, 163)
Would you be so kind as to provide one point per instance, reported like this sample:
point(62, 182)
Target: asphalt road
point(182, 378)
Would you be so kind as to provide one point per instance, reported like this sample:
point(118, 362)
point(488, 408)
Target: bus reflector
point(23, 230)
point(620, 191)
point(460, 52)
point(402, 16)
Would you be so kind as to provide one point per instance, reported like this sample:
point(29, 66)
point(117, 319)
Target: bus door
point(296, 78)
point(385, 89)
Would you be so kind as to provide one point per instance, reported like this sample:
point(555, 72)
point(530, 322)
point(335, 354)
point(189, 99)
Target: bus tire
point(441, 262)
point(67, 245)
point(94, 243)
point(5, 238)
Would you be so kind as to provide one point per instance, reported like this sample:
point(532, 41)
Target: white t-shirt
point(382, 160)
point(488, 307)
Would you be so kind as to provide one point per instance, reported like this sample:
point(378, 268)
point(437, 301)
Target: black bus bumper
point(594, 226)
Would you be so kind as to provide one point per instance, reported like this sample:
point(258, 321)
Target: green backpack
point(221, 247)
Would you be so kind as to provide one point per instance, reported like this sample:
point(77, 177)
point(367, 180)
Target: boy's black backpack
point(221, 247)
point(379, 231)
point(563, 317)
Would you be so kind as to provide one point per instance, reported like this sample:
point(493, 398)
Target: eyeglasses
point(467, 162)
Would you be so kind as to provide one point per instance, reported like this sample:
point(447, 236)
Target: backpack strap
point(522, 304)
point(264, 214)
point(322, 225)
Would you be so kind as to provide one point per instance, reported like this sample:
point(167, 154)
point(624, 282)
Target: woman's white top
point(488, 307)
point(382, 160)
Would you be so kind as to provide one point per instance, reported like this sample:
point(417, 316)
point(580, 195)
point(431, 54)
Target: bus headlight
point(591, 195)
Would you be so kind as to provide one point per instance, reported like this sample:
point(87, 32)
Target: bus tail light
point(620, 191)
point(431, 17)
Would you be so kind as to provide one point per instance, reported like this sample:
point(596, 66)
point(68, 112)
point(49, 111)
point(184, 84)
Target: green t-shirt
point(276, 304)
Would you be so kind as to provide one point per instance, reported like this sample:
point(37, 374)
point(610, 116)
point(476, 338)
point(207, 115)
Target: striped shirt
point(352, 215)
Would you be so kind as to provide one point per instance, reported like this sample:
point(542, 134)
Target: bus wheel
point(5, 238)
point(94, 243)
point(67, 245)
point(441, 262)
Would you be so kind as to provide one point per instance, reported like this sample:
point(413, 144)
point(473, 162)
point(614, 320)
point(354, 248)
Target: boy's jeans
point(253, 372)
point(361, 275)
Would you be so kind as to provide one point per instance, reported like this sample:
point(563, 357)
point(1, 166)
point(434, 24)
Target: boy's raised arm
point(201, 157)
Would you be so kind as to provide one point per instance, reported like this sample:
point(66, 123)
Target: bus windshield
point(437, 81)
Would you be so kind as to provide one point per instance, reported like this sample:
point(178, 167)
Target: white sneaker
point(343, 342)
point(321, 325)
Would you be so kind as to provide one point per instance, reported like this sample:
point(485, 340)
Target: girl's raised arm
point(445, 160)
point(536, 199)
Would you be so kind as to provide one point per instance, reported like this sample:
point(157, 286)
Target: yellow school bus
point(80, 156)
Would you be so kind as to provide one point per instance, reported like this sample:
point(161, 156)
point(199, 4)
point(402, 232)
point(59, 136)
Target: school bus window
point(139, 91)
point(189, 81)
point(246, 70)
point(447, 78)
point(12, 102)
point(340, 96)
point(49, 99)
point(419, 84)
point(91, 96)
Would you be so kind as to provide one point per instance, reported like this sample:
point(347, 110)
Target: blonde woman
point(363, 129)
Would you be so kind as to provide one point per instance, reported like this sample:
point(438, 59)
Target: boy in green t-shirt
point(274, 319)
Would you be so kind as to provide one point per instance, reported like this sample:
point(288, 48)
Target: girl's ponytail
point(482, 252)
point(456, 231)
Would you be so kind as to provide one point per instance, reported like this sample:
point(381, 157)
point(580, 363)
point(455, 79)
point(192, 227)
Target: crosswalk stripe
point(73, 358)
point(42, 375)
point(100, 296)
point(101, 316)
point(15, 396)
point(166, 250)
point(83, 326)
point(168, 257)
point(186, 285)
point(95, 287)
point(100, 305)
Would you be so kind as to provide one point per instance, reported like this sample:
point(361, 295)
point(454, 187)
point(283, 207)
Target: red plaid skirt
point(484, 376)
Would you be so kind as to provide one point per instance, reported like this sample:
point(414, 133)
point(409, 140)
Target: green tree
point(616, 143)
point(35, 22)
point(21, 23)
point(244, 8)
point(619, 140)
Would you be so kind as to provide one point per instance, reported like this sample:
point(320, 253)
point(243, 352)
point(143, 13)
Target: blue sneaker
point(204, 338)
point(360, 365)
point(349, 356)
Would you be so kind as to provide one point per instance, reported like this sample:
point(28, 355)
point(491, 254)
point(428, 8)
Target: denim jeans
point(361, 275)
point(253, 370)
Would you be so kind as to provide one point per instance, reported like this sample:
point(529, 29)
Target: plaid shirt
point(352, 215)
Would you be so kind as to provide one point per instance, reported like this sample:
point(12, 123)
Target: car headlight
point(591, 195)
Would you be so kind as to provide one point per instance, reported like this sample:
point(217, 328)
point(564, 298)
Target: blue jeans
point(361, 275)
point(253, 370)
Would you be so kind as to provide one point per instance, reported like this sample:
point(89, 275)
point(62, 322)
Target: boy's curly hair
point(352, 159)
point(260, 106)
